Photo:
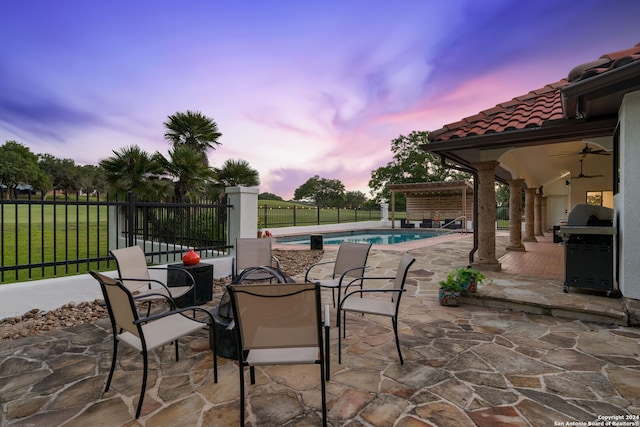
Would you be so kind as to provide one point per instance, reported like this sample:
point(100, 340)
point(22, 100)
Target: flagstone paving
point(464, 366)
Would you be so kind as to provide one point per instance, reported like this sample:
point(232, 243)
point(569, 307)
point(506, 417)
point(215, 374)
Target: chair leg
point(341, 334)
point(215, 364)
point(252, 374)
point(145, 360)
point(395, 331)
point(339, 346)
point(327, 361)
point(324, 396)
point(241, 366)
point(177, 355)
point(214, 348)
point(113, 363)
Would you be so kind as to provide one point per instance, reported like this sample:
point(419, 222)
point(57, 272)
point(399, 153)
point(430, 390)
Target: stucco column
point(486, 217)
point(529, 197)
point(384, 213)
point(515, 215)
point(545, 227)
point(537, 220)
point(243, 217)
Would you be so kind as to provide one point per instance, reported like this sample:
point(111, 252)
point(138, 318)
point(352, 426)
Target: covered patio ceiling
point(542, 165)
point(540, 136)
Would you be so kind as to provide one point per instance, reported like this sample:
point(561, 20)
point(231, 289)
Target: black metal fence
point(502, 217)
point(67, 235)
point(270, 216)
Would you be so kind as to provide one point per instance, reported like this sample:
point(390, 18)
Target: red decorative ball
point(190, 258)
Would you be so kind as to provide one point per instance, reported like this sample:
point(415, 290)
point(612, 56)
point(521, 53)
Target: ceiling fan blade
point(584, 152)
point(582, 175)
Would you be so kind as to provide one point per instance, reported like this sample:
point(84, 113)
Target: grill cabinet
point(589, 249)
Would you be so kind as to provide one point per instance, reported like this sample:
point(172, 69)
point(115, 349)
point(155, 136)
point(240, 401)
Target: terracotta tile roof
point(536, 108)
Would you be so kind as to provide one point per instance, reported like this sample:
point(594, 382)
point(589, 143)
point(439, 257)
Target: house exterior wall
point(627, 201)
point(593, 165)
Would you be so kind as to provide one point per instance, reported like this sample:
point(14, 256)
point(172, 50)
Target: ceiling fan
point(584, 152)
point(582, 175)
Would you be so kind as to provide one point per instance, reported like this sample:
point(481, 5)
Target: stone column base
point(529, 239)
point(487, 265)
point(516, 248)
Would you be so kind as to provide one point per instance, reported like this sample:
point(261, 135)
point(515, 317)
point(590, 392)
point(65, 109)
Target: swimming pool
point(375, 237)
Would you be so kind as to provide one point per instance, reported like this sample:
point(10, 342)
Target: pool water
point(375, 237)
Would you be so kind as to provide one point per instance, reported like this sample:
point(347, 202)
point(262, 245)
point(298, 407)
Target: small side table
point(202, 274)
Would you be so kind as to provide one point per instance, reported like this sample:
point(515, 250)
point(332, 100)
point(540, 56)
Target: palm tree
point(133, 169)
point(237, 173)
point(192, 129)
point(185, 166)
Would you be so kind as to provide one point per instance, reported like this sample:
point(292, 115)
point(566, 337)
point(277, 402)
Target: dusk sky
point(297, 88)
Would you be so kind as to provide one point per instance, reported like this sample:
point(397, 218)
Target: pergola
point(445, 202)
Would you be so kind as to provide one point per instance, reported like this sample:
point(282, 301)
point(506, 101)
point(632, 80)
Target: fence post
point(131, 218)
point(384, 213)
point(243, 215)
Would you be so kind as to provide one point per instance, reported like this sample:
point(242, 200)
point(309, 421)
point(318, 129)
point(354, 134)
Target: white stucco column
point(384, 212)
point(486, 217)
point(515, 215)
point(243, 216)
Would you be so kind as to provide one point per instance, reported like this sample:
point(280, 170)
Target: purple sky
point(297, 88)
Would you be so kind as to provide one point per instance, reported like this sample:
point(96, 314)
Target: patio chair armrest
point(184, 270)
point(137, 279)
point(367, 291)
point(168, 298)
point(306, 275)
point(178, 311)
point(364, 267)
point(365, 278)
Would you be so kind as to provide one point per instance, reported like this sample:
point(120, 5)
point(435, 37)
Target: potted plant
point(450, 289)
point(260, 227)
point(469, 278)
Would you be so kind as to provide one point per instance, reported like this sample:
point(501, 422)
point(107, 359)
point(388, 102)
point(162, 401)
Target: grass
point(276, 213)
point(45, 234)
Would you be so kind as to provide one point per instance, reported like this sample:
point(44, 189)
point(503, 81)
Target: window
point(600, 198)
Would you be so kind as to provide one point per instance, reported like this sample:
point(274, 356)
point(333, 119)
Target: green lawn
point(274, 214)
point(36, 234)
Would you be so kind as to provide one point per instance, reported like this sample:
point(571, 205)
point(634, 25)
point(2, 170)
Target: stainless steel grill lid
point(590, 215)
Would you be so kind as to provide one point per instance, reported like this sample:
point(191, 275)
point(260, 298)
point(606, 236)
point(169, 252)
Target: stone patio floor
point(550, 359)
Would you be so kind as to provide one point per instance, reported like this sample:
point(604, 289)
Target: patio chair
point(254, 252)
point(381, 307)
point(349, 263)
point(278, 324)
point(134, 274)
point(147, 333)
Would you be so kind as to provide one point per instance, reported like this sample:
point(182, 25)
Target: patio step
point(549, 299)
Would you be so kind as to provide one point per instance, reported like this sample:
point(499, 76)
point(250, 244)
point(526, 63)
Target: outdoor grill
point(589, 250)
